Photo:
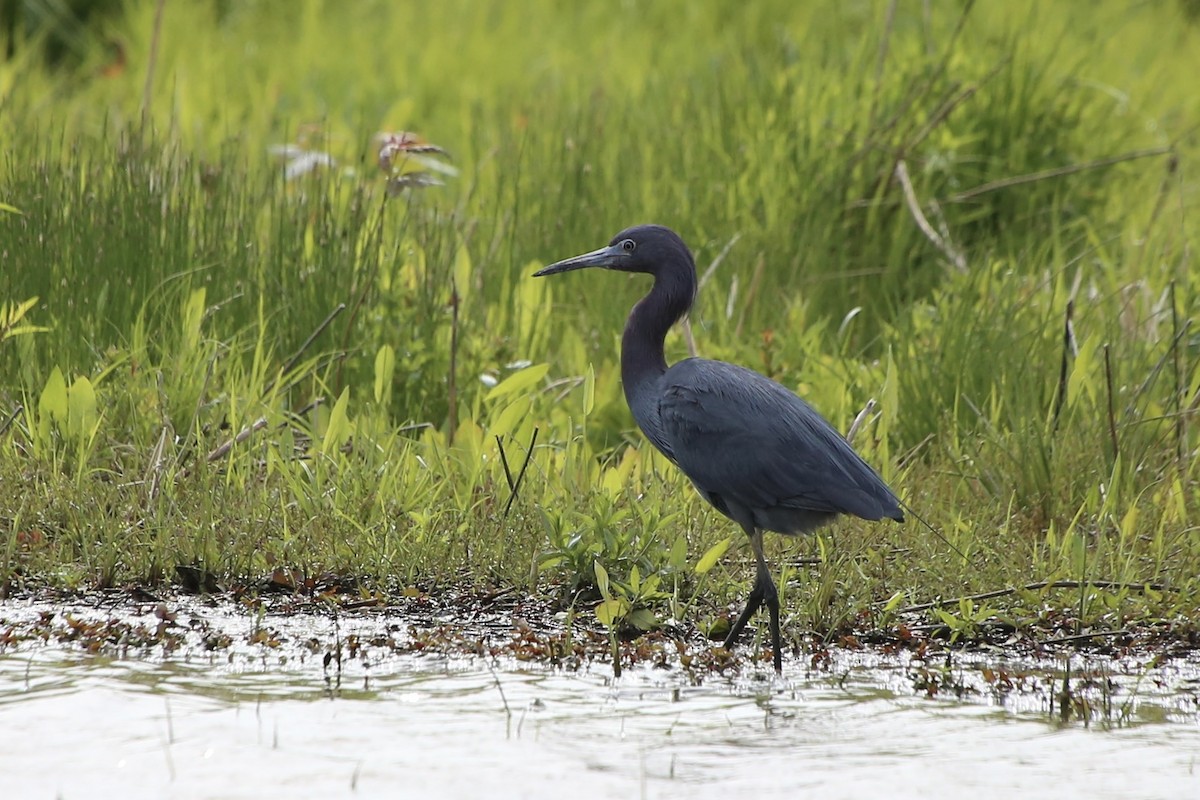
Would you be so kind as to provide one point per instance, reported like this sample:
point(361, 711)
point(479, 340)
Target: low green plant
point(965, 620)
point(974, 215)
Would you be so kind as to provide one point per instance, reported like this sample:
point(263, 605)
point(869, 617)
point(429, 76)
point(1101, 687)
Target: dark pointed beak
point(607, 257)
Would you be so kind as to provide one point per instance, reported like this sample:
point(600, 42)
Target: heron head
point(642, 248)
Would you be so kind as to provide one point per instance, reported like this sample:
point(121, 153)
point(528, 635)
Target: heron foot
point(763, 593)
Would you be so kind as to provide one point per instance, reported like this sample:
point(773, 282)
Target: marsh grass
point(230, 371)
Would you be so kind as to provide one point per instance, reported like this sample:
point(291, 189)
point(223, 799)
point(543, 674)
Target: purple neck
point(642, 358)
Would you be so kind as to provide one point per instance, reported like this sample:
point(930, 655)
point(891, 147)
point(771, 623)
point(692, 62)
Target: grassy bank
point(209, 363)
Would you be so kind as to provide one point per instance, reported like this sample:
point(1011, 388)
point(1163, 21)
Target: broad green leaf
point(549, 562)
point(385, 368)
point(519, 380)
point(508, 419)
point(611, 610)
point(601, 578)
point(891, 390)
point(52, 405)
point(21, 330)
point(589, 390)
point(677, 557)
point(948, 619)
point(15, 312)
point(611, 481)
point(310, 242)
point(338, 429)
point(1179, 500)
point(11, 315)
point(1086, 369)
point(894, 602)
point(1129, 523)
point(533, 308)
point(81, 408)
point(643, 619)
point(1079, 554)
point(709, 559)
point(614, 479)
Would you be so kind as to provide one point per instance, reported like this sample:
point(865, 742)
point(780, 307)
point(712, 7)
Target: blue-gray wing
point(748, 440)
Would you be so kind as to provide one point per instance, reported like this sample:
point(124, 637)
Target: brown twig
point(1178, 337)
point(943, 244)
point(508, 476)
point(11, 418)
point(1070, 349)
point(1033, 587)
point(1083, 637)
point(242, 436)
point(859, 419)
point(295, 359)
point(948, 105)
point(915, 93)
point(716, 262)
point(313, 404)
point(688, 336)
point(521, 475)
point(1057, 172)
point(953, 100)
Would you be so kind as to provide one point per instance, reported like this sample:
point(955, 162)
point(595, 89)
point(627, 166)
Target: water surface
point(267, 717)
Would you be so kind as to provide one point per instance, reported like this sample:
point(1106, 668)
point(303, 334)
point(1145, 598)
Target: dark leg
point(772, 601)
point(754, 602)
point(763, 593)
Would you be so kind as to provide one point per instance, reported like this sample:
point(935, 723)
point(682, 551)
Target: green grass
point(179, 276)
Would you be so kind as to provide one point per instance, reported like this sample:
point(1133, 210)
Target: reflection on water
point(273, 722)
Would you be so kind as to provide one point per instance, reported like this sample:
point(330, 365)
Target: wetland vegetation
point(249, 346)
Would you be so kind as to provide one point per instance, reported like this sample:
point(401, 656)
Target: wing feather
point(748, 439)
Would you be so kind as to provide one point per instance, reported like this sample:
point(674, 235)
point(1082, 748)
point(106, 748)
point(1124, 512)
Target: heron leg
point(772, 600)
point(753, 603)
point(763, 593)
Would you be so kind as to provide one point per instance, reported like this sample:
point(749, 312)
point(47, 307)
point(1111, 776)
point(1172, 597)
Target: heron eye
point(628, 245)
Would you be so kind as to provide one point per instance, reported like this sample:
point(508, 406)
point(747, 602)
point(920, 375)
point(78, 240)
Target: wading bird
point(761, 455)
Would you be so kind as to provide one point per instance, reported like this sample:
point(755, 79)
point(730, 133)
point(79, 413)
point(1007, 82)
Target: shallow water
point(270, 720)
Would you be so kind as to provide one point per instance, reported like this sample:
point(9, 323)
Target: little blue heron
point(754, 450)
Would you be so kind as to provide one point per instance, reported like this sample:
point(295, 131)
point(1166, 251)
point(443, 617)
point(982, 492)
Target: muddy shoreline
point(1067, 676)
